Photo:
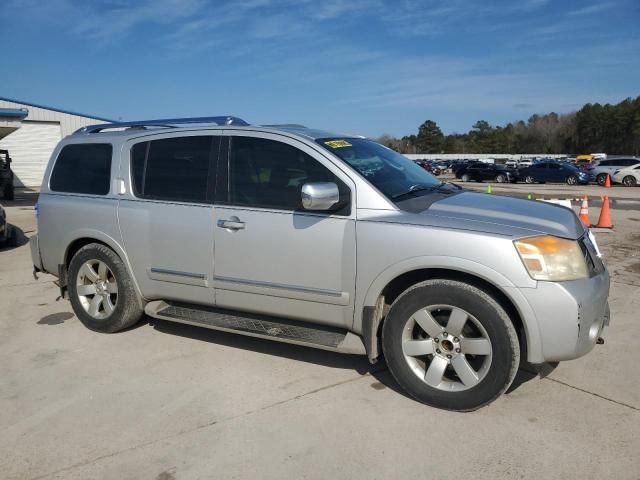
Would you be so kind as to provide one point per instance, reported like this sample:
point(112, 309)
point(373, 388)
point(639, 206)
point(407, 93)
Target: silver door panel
point(170, 245)
point(297, 258)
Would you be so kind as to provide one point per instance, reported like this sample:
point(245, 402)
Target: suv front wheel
point(450, 345)
point(101, 291)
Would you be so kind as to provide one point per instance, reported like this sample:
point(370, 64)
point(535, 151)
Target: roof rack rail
point(165, 122)
point(284, 125)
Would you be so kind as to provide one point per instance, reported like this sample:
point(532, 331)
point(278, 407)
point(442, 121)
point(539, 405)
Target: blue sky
point(360, 66)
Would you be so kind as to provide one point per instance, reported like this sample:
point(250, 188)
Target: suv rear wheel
point(101, 291)
point(450, 345)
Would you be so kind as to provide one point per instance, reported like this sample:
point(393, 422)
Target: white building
point(31, 143)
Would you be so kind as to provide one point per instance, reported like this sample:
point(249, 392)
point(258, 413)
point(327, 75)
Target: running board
point(261, 326)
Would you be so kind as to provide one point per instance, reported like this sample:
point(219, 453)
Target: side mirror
point(320, 196)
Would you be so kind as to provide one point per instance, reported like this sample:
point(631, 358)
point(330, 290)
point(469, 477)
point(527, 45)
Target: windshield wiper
point(414, 189)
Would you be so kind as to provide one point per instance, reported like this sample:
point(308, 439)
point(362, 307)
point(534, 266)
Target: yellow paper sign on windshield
point(338, 143)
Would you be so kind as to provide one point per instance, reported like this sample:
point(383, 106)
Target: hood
point(507, 216)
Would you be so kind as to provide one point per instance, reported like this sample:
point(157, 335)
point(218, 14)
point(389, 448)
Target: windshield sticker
point(338, 143)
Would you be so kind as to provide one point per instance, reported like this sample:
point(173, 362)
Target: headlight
point(552, 258)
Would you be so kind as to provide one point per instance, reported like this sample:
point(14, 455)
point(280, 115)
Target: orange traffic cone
point(584, 212)
point(607, 181)
point(605, 216)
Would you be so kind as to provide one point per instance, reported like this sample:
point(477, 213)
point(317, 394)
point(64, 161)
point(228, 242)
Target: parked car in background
point(6, 175)
point(601, 168)
point(541, 172)
point(429, 167)
point(460, 168)
point(488, 171)
point(323, 240)
point(511, 163)
point(8, 235)
point(525, 162)
point(629, 176)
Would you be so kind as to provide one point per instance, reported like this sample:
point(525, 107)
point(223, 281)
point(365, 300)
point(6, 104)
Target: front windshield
point(391, 173)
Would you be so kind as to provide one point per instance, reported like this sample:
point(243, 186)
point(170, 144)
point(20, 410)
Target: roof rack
point(284, 125)
point(166, 123)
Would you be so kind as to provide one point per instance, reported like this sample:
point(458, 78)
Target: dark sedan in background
point(479, 172)
point(541, 172)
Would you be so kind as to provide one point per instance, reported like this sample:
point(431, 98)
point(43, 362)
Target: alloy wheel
point(446, 347)
point(97, 289)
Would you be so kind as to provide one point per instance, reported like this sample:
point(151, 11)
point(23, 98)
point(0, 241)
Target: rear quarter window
point(83, 168)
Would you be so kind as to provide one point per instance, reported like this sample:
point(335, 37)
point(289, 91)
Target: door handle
point(232, 224)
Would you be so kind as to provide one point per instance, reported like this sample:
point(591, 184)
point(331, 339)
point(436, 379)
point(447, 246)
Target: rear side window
point(177, 169)
point(83, 168)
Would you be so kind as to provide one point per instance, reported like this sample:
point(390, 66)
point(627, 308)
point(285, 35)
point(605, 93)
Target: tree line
point(612, 129)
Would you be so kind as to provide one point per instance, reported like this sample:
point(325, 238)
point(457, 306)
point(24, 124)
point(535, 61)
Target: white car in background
point(511, 163)
point(525, 162)
point(629, 176)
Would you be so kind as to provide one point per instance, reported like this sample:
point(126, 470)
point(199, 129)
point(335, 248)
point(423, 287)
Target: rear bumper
point(570, 316)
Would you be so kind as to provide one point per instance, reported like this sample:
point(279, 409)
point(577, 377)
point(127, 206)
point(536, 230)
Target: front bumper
point(571, 316)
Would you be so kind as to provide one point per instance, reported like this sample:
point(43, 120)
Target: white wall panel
point(30, 148)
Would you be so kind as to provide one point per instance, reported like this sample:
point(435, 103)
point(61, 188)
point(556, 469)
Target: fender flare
point(107, 240)
point(454, 264)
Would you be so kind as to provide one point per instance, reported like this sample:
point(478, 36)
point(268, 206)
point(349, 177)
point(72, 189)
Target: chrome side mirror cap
point(320, 196)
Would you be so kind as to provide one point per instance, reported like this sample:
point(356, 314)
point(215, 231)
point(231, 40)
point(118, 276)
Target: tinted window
point(554, 166)
point(173, 168)
point(83, 168)
point(628, 162)
point(266, 173)
point(539, 165)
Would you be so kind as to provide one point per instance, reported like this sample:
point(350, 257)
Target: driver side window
point(270, 174)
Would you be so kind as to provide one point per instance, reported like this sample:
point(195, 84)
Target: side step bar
point(261, 326)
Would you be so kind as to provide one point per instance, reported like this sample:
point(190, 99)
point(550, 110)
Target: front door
point(271, 256)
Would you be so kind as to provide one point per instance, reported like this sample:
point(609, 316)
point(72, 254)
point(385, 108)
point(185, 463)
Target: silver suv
point(318, 239)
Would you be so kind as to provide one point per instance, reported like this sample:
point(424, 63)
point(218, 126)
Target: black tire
point(529, 179)
point(466, 178)
point(128, 309)
point(629, 181)
point(9, 193)
point(486, 310)
point(572, 180)
point(601, 178)
point(501, 178)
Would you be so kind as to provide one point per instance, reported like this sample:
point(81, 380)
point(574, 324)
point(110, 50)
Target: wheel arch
point(383, 293)
point(83, 238)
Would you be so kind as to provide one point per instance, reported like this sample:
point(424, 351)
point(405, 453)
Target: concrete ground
point(167, 401)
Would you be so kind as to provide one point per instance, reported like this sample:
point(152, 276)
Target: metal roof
point(68, 112)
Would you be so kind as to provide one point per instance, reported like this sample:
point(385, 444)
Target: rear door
point(166, 216)
point(271, 256)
